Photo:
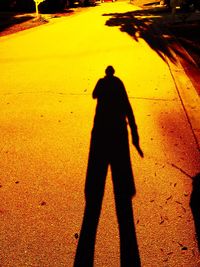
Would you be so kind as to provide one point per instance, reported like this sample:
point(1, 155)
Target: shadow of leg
point(124, 189)
point(94, 191)
point(128, 242)
point(85, 250)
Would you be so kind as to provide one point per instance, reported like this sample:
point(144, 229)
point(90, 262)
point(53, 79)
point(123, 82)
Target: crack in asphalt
point(87, 94)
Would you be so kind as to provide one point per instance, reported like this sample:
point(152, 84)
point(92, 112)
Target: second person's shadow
point(109, 146)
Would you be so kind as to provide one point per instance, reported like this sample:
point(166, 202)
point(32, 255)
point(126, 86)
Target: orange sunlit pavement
point(47, 78)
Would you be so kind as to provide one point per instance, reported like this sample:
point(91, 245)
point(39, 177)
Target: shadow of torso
point(109, 146)
point(109, 140)
point(111, 106)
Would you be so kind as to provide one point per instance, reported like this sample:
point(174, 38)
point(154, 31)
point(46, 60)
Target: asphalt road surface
point(47, 78)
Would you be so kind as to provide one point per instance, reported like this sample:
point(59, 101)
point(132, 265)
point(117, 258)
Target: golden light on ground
point(47, 78)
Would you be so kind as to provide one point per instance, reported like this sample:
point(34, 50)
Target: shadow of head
point(109, 71)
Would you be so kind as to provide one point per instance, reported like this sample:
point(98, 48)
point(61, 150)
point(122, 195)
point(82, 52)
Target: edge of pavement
point(187, 93)
point(187, 86)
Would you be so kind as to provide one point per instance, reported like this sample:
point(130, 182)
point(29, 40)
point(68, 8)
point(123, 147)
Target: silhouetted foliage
point(17, 5)
point(29, 5)
point(48, 6)
point(54, 5)
point(24, 6)
point(6, 5)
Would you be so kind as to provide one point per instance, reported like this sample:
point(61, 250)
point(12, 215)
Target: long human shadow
point(195, 206)
point(109, 146)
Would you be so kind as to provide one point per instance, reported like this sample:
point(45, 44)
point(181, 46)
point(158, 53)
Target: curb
point(187, 93)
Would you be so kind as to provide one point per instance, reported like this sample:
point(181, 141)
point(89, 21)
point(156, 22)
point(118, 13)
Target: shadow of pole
point(195, 206)
point(109, 146)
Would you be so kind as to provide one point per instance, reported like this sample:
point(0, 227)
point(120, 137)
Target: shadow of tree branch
point(150, 25)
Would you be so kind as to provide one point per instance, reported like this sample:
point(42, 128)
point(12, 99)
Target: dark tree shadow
point(153, 25)
point(109, 146)
point(8, 19)
point(188, 34)
point(195, 205)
